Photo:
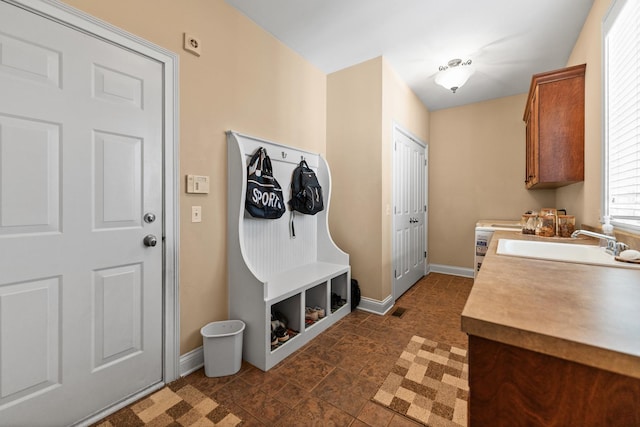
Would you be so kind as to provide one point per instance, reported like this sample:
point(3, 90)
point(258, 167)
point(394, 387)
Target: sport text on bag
point(264, 197)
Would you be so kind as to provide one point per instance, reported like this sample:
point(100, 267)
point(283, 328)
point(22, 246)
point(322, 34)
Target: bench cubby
point(269, 269)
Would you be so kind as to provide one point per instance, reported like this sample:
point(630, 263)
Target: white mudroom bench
point(272, 271)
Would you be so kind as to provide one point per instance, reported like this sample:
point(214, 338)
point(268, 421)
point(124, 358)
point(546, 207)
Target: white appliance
point(484, 232)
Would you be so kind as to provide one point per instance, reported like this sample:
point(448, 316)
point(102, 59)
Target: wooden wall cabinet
point(554, 115)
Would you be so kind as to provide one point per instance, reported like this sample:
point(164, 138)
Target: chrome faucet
point(613, 246)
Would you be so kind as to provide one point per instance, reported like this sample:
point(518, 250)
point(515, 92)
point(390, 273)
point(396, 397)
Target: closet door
point(409, 211)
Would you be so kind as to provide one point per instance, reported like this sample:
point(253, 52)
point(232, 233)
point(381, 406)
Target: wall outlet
point(196, 213)
point(192, 44)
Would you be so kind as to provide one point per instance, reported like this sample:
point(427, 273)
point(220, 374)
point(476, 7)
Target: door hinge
point(425, 254)
point(425, 162)
point(395, 274)
point(425, 208)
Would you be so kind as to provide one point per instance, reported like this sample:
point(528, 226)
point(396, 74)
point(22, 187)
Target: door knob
point(150, 240)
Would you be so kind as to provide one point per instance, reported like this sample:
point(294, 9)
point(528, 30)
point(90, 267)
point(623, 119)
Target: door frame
point(81, 21)
point(397, 128)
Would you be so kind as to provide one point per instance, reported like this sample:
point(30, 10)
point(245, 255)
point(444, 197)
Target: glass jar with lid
point(566, 225)
point(529, 222)
point(548, 221)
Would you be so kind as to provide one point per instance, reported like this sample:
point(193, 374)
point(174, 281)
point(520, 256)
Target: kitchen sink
point(564, 252)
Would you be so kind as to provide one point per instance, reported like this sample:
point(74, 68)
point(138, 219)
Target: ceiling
point(506, 40)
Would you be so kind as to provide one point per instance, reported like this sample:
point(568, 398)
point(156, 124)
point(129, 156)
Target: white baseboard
point(454, 271)
point(191, 361)
point(376, 307)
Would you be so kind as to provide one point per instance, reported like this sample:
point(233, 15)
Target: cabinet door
point(554, 115)
point(561, 131)
point(511, 386)
point(532, 148)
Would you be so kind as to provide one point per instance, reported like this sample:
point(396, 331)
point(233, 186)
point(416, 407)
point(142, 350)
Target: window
point(621, 155)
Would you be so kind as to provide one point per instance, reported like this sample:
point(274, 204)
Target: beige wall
point(354, 111)
point(245, 80)
point(476, 171)
point(363, 102)
point(584, 199)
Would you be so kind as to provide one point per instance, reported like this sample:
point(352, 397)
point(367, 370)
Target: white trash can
point(222, 344)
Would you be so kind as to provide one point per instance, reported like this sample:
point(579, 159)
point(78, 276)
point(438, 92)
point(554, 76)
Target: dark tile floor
point(331, 380)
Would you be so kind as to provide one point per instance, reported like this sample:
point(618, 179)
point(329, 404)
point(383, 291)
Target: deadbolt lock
point(149, 218)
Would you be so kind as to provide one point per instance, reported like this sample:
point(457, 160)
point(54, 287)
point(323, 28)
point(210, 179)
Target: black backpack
point(355, 294)
point(306, 193)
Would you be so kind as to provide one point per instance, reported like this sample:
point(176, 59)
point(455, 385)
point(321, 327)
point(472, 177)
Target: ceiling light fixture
point(455, 74)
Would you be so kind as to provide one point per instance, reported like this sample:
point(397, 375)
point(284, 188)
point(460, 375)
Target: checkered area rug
point(183, 407)
point(429, 383)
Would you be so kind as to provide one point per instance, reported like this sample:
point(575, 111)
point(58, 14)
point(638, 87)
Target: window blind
point(622, 113)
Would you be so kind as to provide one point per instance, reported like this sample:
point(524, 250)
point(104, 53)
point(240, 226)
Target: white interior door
point(410, 208)
point(80, 166)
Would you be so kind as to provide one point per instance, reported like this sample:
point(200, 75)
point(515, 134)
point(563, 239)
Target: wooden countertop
point(582, 313)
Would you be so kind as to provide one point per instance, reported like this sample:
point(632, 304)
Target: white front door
point(410, 207)
point(80, 166)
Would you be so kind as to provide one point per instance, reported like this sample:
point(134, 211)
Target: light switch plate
point(198, 184)
point(196, 213)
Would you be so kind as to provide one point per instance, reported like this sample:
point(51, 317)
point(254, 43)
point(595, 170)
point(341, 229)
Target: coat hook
point(284, 154)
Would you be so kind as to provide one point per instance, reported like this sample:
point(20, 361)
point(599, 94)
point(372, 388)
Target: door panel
point(117, 87)
point(29, 164)
point(118, 180)
point(118, 316)
point(29, 309)
point(29, 60)
point(418, 206)
point(402, 211)
point(80, 164)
